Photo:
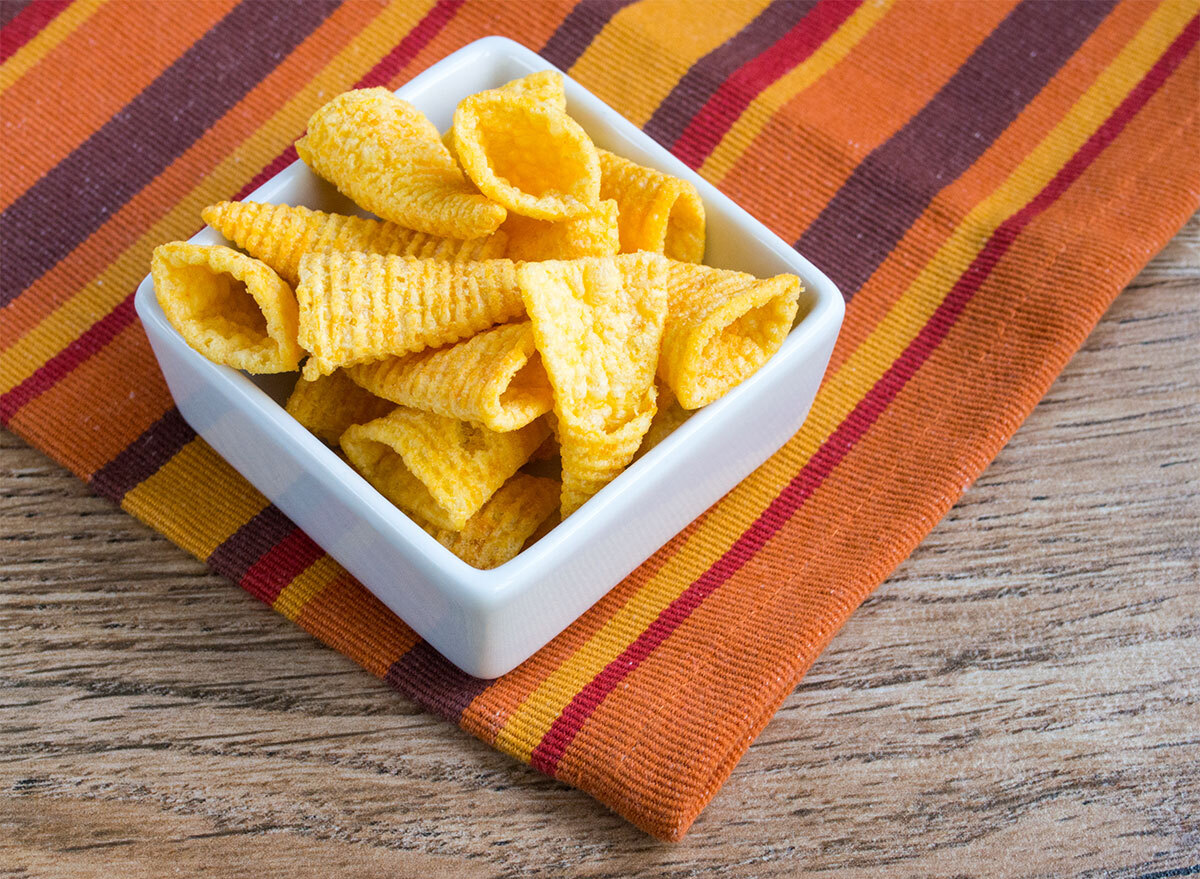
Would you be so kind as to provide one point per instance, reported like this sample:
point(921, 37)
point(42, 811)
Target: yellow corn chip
point(280, 234)
point(441, 469)
point(231, 308)
point(598, 324)
point(383, 153)
point(545, 86)
point(499, 530)
point(669, 416)
point(527, 154)
point(358, 307)
point(593, 234)
point(721, 327)
point(332, 403)
point(658, 212)
point(494, 379)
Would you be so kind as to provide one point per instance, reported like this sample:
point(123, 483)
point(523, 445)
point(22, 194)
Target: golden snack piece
point(670, 415)
point(332, 403)
point(527, 154)
point(441, 469)
point(593, 234)
point(658, 212)
point(598, 324)
point(494, 379)
point(545, 86)
point(280, 235)
point(384, 154)
point(231, 308)
point(502, 526)
point(359, 307)
point(722, 326)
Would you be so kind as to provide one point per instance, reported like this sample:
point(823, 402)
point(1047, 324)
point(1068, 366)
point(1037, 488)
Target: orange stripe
point(102, 80)
point(353, 621)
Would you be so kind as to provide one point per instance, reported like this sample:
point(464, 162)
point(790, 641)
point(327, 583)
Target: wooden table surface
point(1021, 697)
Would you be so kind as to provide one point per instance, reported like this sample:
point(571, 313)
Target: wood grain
point(1020, 698)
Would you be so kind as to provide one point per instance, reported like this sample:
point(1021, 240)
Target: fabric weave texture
point(980, 177)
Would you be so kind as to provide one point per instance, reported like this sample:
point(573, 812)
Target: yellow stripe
point(843, 390)
point(196, 499)
point(20, 62)
point(738, 138)
point(626, 66)
point(308, 584)
point(101, 295)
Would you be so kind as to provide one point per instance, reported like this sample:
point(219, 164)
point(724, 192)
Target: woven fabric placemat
point(979, 178)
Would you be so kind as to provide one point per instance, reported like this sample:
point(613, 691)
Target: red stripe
point(49, 373)
point(549, 751)
point(391, 64)
point(282, 564)
point(27, 23)
point(734, 95)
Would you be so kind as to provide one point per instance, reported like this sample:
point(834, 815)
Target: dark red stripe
point(697, 87)
point(283, 563)
point(143, 457)
point(578, 30)
point(69, 203)
point(430, 680)
point(734, 95)
point(239, 552)
point(894, 185)
point(24, 26)
point(53, 370)
point(554, 744)
point(391, 64)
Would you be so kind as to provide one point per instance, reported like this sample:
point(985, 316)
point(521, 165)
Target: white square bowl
point(488, 622)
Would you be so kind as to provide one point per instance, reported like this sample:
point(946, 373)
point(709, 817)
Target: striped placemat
point(980, 179)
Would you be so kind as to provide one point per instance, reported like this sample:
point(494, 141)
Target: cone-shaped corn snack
point(384, 154)
point(669, 416)
point(332, 403)
point(545, 86)
point(527, 154)
point(358, 307)
point(231, 308)
point(658, 212)
point(280, 235)
point(494, 379)
point(593, 234)
point(499, 530)
point(598, 324)
point(438, 468)
point(721, 327)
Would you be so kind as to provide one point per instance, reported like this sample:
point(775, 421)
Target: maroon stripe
point(429, 679)
point(578, 30)
point(53, 370)
point(143, 457)
point(554, 744)
point(79, 194)
point(734, 95)
point(702, 80)
point(282, 564)
point(239, 552)
point(391, 64)
point(26, 24)
point(894, 185)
